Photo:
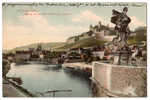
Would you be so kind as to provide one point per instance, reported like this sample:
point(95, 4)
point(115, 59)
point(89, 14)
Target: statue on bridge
point(121, 20)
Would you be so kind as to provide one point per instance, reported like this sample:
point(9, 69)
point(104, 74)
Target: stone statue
point(121, 20)
point(123, 52)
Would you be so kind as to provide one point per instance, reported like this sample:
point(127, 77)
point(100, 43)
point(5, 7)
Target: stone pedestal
point(122, 57)
point(116, 59)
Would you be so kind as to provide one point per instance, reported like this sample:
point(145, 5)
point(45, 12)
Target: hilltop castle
point(99, 31)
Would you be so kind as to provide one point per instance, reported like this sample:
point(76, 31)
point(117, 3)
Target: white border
point(75, 1)
point(148, 49)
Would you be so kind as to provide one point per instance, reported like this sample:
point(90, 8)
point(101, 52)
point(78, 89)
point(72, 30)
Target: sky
point(26, 24)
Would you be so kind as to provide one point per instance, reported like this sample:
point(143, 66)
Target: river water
point(39, 78)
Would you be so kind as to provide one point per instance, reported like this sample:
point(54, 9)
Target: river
point(39, 78)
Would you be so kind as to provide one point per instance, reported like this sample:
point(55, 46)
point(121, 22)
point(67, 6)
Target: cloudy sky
point(24, 24)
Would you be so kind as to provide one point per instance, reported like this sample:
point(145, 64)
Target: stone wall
point(115, 80)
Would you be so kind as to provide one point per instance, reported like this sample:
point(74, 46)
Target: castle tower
point(91, 28)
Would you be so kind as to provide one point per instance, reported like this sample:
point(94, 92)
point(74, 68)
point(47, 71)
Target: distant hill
point(141, 30)
point(45, 46)
point(141, 35)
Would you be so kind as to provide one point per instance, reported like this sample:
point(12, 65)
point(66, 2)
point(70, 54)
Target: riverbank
point(79, 68)
point(11, 89)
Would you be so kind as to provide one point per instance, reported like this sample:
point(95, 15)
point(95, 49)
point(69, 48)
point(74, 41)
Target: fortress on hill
point(99, 32)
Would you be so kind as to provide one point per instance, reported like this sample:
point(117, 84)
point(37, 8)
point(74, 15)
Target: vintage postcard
point(74, 49)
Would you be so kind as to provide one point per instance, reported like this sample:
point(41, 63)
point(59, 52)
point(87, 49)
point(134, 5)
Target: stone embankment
point(79, 67)
point(11, 89)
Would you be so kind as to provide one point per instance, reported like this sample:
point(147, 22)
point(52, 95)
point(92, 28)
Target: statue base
point(122, 57)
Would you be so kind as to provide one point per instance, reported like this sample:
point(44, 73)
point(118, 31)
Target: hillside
point(83, 43)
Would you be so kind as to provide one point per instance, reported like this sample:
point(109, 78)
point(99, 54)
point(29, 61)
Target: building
point(23, 55)
point(104, 35)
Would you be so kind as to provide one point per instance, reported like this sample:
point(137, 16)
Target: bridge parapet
point(118, 80)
